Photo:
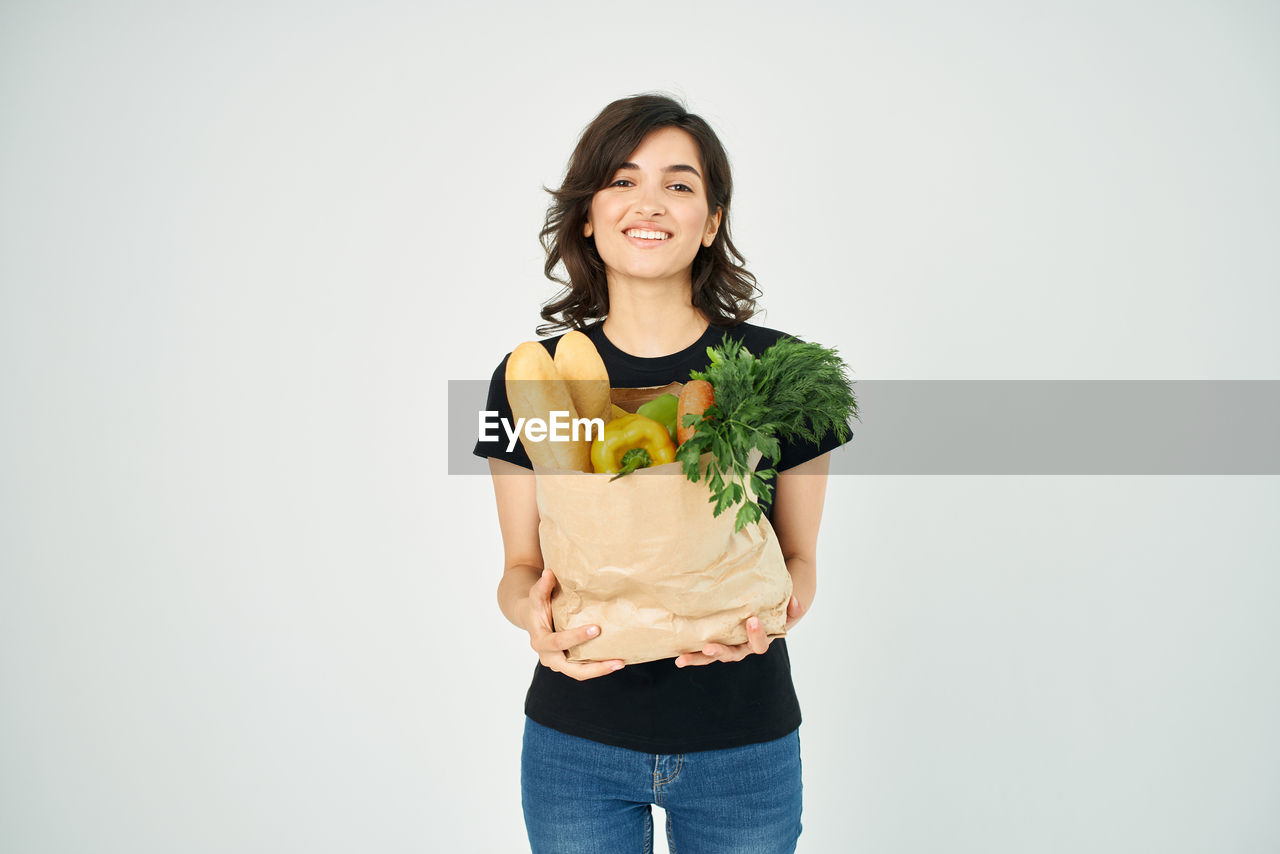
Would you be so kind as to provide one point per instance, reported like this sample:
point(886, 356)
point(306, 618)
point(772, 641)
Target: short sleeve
point(497, 402)
point(792, 454)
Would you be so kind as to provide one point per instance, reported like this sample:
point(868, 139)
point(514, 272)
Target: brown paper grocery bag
point(644, 558)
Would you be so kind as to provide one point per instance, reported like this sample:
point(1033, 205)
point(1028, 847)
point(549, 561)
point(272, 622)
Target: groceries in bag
point(639, 540)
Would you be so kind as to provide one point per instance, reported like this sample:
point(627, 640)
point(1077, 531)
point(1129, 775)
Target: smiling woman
point(658, 182)
point(651, 151)
point(641, 226)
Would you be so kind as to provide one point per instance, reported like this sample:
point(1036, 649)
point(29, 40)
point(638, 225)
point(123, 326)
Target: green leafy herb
point(793, 390)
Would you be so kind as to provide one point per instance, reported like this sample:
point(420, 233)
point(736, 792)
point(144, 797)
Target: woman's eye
point(684, 188)
point(621, 182)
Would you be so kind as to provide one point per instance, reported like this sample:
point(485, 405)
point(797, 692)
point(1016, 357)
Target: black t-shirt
point(656, 707)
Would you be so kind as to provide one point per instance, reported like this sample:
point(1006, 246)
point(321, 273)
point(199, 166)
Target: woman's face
point(652, 218)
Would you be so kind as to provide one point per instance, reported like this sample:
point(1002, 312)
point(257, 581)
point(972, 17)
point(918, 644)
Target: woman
point(641, 225)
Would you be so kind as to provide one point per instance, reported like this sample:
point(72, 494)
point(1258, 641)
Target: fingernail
point(618, 666)
point(592, 631)
point(753, 624)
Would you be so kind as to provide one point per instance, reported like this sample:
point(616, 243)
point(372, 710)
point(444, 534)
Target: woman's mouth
point(645, 237)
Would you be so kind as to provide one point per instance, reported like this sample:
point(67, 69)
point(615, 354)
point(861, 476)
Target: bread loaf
point(580, 365)
point(535, 390)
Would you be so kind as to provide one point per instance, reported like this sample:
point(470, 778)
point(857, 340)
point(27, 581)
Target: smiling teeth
point(647, 235)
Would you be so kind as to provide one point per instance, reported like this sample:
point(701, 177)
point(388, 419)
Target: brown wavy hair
point(723, 289)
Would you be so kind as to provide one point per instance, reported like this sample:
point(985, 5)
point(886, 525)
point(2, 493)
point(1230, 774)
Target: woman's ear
point(713, 226)
point(586, 229)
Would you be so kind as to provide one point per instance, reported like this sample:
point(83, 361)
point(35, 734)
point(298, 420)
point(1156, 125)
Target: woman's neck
point(652, 322)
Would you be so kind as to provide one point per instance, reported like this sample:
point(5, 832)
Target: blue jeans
point(583, 797)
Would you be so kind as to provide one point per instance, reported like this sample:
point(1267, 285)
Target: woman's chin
point(642, 276)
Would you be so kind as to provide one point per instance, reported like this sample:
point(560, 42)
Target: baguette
point(535, 390)
point(579, 363)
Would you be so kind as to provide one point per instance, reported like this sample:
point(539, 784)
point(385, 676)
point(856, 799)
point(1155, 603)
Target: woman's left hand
point(757, 642)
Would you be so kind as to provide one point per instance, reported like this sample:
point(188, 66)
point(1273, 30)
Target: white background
point(244, 246)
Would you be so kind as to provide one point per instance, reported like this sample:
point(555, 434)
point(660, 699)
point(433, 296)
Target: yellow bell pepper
point(630, 442)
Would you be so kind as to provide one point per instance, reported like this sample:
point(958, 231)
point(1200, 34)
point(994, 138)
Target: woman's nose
point(650, 201)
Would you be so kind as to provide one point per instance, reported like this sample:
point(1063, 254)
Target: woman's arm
point(798, 497)
point(524, 593)
point(514, 488)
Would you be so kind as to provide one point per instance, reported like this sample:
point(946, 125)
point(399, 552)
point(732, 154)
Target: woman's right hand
point(551, 645)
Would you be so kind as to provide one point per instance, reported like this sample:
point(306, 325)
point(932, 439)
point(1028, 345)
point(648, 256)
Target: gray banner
point(1128, 427)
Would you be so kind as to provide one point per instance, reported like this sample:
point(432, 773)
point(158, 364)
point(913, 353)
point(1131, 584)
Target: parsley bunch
point(794, 389)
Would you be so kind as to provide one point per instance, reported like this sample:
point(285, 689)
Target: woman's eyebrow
point(683, 167)
point(679, 167)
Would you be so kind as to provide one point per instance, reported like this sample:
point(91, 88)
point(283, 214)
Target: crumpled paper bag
point(644, 558)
